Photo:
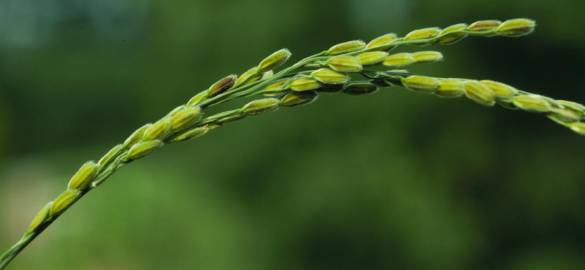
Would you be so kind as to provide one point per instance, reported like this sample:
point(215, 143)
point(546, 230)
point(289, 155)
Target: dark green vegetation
point(398, 179)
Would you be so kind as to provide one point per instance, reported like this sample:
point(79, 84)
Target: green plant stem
point(13, 251)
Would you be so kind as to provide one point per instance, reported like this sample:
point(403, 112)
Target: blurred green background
point(396, 180)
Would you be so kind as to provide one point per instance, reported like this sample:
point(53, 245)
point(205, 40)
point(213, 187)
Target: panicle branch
point(353, 67)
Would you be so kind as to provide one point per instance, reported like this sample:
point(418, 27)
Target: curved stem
point(13, 251)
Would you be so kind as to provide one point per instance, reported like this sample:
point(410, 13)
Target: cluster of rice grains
point(353, 67)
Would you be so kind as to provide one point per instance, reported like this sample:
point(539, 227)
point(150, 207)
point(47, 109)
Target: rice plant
point(353, 67)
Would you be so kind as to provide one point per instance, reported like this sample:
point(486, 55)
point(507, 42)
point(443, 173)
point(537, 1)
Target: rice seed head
point(272, 94)
point(192, 134)
point(221, 86)
point(516, 27)
point(564, 116)
point(451, 88)
point(427, 56)
point(260, 105)
point(346, 47)
point(501, 90)
point(423, 34)
point(298, 98)
point(176, 109)
point(276, 89)
point(186, 117)
point(578, 127)
point(198, 98)
point(372, 58)
point(452, 34)
point(84, 176)
point(142, 149)
point(136, 136)
point(572, 105)
point(150, 137)
point(328, 76)
point(267, 75)
point(63, 201)
point(41, 217)
point(250, 76)
point(277, 86)
point(533, 103)
point(574, 109)
point(360, 88)
point(383, 42)
point(304, 84)
point(399, 60)
point(274, 60)
point(108, 157)
point(159, 130)
point(345, 63)
point(230, 118)
point(480, 93)
point(484, 26)
point(421, 84)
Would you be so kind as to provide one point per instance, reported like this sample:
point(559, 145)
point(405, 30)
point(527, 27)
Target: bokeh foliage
point(392, 181)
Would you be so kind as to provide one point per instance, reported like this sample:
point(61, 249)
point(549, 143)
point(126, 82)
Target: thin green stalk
point(13, 251)
point(352, 67)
